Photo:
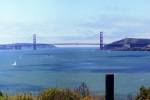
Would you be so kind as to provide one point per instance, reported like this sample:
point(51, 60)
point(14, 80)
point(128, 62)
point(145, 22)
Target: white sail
point(14, 64)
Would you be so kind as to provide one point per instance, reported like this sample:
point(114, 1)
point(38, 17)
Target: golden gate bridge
point(101, 44)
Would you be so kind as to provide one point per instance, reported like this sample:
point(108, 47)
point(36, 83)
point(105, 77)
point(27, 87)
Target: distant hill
point(20, 46)
point(132, 44)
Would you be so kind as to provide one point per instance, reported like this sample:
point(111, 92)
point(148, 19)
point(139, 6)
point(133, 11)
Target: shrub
point(144, 94)
point(83, 90)
point(58, 94)
point(80, 93)
point(1, 93)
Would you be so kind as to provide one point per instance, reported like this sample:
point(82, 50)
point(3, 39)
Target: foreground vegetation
point(80, 93)
point(144, 94)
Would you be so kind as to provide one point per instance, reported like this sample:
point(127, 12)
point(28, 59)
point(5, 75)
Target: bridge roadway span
point(75, 44)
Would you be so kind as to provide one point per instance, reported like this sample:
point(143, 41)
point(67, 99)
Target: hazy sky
point(73, 20)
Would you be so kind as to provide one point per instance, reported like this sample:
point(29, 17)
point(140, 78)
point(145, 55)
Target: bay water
point(35, 70)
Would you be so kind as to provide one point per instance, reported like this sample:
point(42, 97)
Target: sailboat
point(14, 64)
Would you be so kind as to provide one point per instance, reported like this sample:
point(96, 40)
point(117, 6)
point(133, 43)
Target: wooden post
point(109, 87)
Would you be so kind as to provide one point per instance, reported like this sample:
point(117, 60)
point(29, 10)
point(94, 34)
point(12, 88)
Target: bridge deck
point(75, 44)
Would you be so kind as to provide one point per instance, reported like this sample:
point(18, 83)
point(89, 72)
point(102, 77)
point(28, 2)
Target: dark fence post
point(109, 87)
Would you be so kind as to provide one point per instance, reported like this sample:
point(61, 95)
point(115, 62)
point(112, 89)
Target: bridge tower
point(34, 41)
point(101, 41)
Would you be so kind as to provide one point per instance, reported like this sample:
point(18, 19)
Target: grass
point(80, 93)
point(49, 94)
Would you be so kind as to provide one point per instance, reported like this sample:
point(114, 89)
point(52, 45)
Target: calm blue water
point(32, 71)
